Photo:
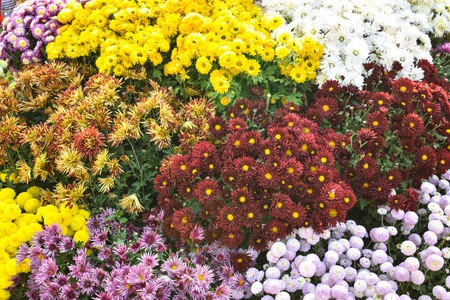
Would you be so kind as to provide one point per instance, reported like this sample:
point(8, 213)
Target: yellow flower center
point(333, 213)
point(267, 151)
point(331, 195)
point(304, 147)
point(237, 143)
point(375, 123)
point(366, 166)
point(411, 125)
point(217, 127)
point(205, 154)
point(279, 204)
point(275, 229)
point(208, 192)
point(290, 124)
point(164, 183)
point(184, 220)
point(242, 199)
point(278, 136)
point(323, 160)
point(230, 178)
point(268, 176)
point(245, 167)
point(250, 215)
point(211, 166)
point(230, 217)
point(288, 152)
point(424, 157)
point(295, 215)
point(251, 141)
point(305, 130)
point(290, 170)
point(326, 108)
point(183, 167)
point(321, 178)
point(174, 267)
point(403, 89)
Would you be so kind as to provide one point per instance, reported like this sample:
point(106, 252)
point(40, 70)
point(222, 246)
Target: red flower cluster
point(258, 179)
point(399, 130)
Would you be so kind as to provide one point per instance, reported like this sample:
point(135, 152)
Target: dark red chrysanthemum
point(367, 167)
point(163, 184)
point(281, 206)
point(327, 107)
point(378, 122)
point(207, 192)
point(443, 161)
point(240, 261)
point(275, 229)
point(232, 239)
point(229, 219)
point(237, 124)
point(179, 166)
point(413, 124)
point(259, 240)
point(182, 217)
point(89, 142)
point(403, 87)
point(218, 127)
point(397, 202)
point(425, 156)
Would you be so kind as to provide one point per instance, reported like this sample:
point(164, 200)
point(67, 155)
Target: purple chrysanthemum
point(46, 271)
point(37, 31)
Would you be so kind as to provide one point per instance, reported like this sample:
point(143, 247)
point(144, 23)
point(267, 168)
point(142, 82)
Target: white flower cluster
point(438, 13)
point(354, 32)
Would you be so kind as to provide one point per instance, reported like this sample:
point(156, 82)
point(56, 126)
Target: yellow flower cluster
point(21, 216)
point(220, 38)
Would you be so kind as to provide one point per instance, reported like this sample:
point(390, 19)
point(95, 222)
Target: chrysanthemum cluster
point(258, 185)
point(397, 262)
point(356, 32)
point(219, 38)
point(398, 131)
point(437, 13)
point(31, 26)
point(122, 261)
point(76, 129)
point(21, 217)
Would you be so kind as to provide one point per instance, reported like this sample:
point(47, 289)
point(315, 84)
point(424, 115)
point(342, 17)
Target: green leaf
point(110, 217)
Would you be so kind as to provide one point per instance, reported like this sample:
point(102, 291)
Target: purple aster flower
point(308, 288)
point(68, 292)
point(174, 266)
point(283, 264)
point(353, 254)
point(20, 30)
point(33, 294)
point(22, 253)
point(87, 284)
point(46, 271)
point(139, 274)
point(203, 276)
point(337, 273)
point(223, 292)
point(149, 238)
point(98, 239)
point(104, 253)
point(436, 226)
point(66, 244)
point(81, 265)
point(104, 296)
point(61, 279)
point(49, 291)
point(252, 275)
point(37, 31)
point(149, 260)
